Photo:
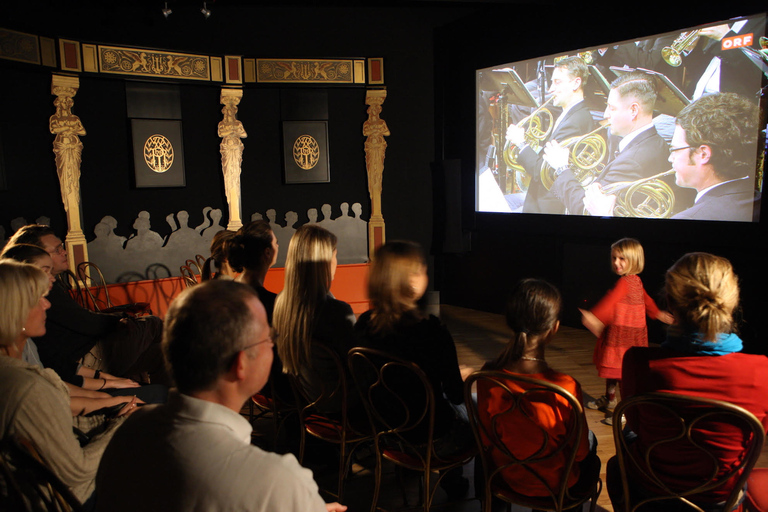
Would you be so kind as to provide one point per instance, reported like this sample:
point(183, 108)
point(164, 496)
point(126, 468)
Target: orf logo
point(730, 43)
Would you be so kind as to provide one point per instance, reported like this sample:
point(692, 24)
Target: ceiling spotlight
point(206, 12)
point(166, 11)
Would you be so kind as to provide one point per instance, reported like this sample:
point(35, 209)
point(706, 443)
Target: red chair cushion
point(757, 490)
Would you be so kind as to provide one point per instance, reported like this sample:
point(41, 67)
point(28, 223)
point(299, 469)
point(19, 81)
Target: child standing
point(618, 320)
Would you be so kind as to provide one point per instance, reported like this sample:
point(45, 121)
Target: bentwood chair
point(521, 395)
point(100, 301)
point(323, 399)
point(193, 265)
point(188, 276)
point(72, 284)
point(28, 484)
point(400, 404)
point(694, 430)
point(200, 260)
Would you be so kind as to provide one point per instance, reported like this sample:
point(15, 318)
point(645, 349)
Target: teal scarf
point(693, 343)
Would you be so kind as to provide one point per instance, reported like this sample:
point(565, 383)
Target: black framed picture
point(158, 153)
point(305, 152)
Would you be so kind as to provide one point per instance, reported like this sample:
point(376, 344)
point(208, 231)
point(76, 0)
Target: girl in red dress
point(618, 320)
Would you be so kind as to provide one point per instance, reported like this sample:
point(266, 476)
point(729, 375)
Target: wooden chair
point(318, 394)
point(272, 403)
point(88, 271)
point(28, 484)
point(193, 266)
point(389, 388)
point(524, 394)
point(72, 283)
point(188, 276)
point(200, 260)
point(683, 420)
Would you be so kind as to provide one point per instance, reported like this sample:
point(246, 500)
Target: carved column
point(231, 131)
point(68, 150)
point(375, 129)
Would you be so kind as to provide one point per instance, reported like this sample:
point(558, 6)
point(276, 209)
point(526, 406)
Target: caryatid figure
point(231, 131)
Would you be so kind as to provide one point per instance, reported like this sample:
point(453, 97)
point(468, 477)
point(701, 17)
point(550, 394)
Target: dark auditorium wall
point(402, 35)
point(487, 253)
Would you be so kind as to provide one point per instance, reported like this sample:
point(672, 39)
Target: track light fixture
point(166, 11)
point(206, 12)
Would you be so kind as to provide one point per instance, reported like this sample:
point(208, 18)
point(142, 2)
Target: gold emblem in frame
point(158, 153)
point(306, 152)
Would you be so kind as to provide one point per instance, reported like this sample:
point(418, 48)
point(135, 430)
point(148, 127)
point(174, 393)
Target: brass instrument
point(538, 125)
point(673, 54)
point(586, 158)
point(655, 200)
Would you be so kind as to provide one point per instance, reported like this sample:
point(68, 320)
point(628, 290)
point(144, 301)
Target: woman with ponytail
point(219, 258)
point(701, 357)
point(532, 313)
point(251, 252)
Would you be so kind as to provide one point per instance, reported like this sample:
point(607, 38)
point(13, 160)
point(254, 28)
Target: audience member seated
point(306, 313)
point(700, 357)
point(83, 401)
point(252, 251)
point(36, 403)
point(219, 258)
point(532, 313)
point(194, 452)
point(397, 280)
point(131, 345)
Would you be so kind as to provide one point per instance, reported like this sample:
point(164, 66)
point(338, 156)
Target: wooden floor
point(480, 336)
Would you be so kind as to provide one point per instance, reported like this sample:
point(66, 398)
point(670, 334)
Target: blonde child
point(618, 320)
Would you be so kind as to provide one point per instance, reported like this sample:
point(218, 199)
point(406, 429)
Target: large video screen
point(669, 126)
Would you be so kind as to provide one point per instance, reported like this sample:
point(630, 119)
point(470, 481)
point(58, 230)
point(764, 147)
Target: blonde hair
point(389, 286)
point(307, 283)
point(21, 287)
point(633, 254)
point(702, 291)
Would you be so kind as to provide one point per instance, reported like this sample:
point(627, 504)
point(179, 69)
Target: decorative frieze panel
point(151, 63)
point(19, 46)
point(305, 71)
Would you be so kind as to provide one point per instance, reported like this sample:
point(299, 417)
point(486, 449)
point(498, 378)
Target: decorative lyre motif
point(231, 131)
point(375, 129)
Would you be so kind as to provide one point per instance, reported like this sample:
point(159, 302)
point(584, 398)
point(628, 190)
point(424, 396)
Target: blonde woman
point(305, 311)
point(36, 402)
point(700, 357)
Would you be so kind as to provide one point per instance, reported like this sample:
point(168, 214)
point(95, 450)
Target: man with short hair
point(131, 346)
point(194, 453)
point(641, 152)
point(713, 151)
point(568, 80)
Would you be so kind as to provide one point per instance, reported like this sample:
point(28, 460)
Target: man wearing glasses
point(713, 151)
point(131, 346)
point(195, 452)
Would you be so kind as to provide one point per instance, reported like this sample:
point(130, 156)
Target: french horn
point(649, 198)
point(586, 156)
point(673, 54)
point(538, 125)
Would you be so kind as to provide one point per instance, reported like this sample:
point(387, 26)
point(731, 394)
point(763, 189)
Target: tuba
point(673, 54)
point(538, 125)
point(649, 198)
point(587, 153)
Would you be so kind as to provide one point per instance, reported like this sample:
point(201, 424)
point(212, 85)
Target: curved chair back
point(89, 272)
point(400, 404)
point(28, 484)
point(322, 397)
point(200, 260)
point(193, 266)
point(673, 430)
point(552, 426)
point(188, 276)
point(72, 284)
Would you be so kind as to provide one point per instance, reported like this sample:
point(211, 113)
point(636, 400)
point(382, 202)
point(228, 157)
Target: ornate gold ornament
point(128, 61)
point(306, 152)
point(158, 153)
point(307, 71)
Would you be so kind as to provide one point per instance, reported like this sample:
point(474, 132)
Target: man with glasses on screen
point(568, 80)
point(641, 153)
point(713, 151)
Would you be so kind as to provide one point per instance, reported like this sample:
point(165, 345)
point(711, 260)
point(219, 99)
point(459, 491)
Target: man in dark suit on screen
point(641, 152)
point(713, 151)
point(568, 80)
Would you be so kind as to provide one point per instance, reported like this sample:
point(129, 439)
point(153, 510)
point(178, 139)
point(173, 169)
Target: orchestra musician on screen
point(634, 176)
point(568, 80)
